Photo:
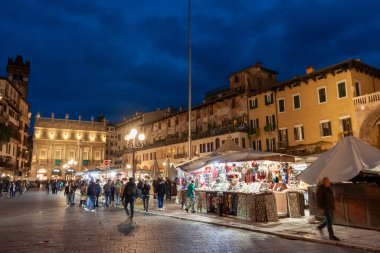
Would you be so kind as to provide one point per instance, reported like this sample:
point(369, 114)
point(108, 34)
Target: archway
point(370, 128)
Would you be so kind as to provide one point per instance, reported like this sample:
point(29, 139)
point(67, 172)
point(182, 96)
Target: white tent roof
point(344, 161)
point(235, 156)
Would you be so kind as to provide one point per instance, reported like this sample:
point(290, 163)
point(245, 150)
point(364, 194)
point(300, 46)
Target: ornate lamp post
point(134, 141)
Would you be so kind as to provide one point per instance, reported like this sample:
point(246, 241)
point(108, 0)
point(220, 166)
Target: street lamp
point(134, 141)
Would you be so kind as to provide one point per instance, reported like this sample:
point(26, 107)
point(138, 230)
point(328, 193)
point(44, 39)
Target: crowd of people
point(113, 193)
point(10, 188)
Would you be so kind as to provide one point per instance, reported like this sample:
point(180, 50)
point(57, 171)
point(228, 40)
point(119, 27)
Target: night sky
point(117, 57)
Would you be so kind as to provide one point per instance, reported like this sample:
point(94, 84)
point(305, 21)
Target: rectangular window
point(325, 127)
point(346, 126)
point(298, 133)
point(281, 105)
point(233, 103)
point(270, 144)
point(357, 87)
point(71, 155)
point(296, 102)
point(97, 155)
point(253, 104)
point(243, 142)
point(269, 99)
point(43, 154)
point(322, 96)
point(85, 155)
point(342, 90)
point(258, 145)
point(57, 154)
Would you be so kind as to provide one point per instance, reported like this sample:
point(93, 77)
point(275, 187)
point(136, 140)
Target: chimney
point(310, 70)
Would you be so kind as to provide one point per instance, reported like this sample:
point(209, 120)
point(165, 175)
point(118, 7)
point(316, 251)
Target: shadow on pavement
point(126, 227)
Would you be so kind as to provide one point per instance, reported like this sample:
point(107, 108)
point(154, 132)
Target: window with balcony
point(342, 90)
point(325, 128)
point(281, 105)
point(270, 123)
point(296, 102)
point(299, 133)
point(322, 95)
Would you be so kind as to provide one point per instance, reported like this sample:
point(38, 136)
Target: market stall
point(357, 200)
point(242, 184)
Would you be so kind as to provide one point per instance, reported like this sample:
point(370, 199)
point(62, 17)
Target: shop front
point(42, 175)
point(70, 174)
point(56, 173)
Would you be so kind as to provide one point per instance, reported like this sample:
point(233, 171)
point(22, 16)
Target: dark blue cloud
point(117, 57)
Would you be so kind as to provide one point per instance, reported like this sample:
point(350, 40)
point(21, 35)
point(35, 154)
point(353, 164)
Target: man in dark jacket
point(129, 197)
point(107, 193)
point(91, 194)
point(161, 190)
point(145, 195)
point(98, 191)
point(326, 203)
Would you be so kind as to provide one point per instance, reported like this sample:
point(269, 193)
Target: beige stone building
point(302, 116)
point(56, 142)
point(14, 119)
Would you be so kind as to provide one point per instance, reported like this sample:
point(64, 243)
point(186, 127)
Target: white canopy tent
point(343, 162)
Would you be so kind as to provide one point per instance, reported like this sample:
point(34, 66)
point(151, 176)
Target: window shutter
point(303, 133)
point(273, 121)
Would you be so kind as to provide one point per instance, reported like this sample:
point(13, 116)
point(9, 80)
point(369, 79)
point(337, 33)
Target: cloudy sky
point(117, 57)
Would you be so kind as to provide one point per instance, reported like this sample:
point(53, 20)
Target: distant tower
point(18, 72)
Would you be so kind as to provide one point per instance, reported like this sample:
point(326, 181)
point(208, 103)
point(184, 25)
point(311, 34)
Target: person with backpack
point(107, 193)
point(118, 189)
point(161, 190)
point(145, 195)
point(129, 197)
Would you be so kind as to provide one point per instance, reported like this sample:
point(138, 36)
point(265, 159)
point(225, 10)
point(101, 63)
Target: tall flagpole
point(189, 76)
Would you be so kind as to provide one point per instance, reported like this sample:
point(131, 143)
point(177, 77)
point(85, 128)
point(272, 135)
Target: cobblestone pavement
point(36, 222)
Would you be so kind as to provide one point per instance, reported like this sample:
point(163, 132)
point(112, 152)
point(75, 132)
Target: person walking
point(83, 194)
point(68, 192)
point(190, 197)
point(145, 195)
point(129, 197)
point(98, 191)
point(91, 195)
point(107, 193)
point(161, 190)
point(168, 185)
point(1, 189)
point(112, 197)
point(47, 188)
point(325, 200)
point(118, 188)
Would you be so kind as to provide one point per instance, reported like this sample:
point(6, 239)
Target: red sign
point(106, 162)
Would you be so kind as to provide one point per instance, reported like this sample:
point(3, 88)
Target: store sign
point(56, 171)
point(106, 162)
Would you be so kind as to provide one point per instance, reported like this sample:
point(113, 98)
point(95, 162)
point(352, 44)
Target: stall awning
point(236, 156)
point(343, 162)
